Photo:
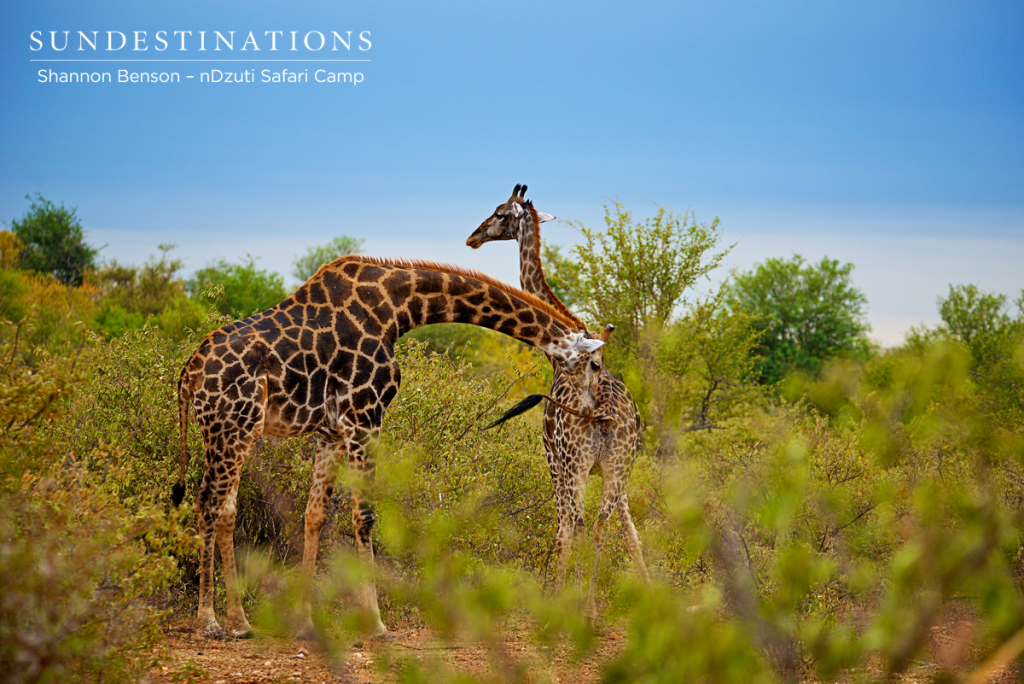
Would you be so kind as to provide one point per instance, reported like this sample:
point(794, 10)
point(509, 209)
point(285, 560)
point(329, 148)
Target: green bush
point(241, 289)
point(132, 296)
point(50, 317)
point(85, 571)
point(85, 577)
point(112, 320)
point(440, 461)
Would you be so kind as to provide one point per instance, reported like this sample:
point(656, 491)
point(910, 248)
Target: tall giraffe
point(575, 446)
point(322, 362)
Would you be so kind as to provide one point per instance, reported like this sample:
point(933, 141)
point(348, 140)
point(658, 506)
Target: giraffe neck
point(531, 275)
point(398, 296)
point(531, 271)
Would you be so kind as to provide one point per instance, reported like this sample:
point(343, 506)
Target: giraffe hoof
point(379, 631)
point(307, 631)
point(239, 626)
point(213, 630)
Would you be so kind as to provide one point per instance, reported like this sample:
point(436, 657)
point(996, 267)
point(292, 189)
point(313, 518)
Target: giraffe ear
point(589, 345)
point(542, 217)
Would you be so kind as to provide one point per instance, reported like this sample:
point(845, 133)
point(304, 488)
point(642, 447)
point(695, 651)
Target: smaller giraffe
point(608, 441)
point(322, 362)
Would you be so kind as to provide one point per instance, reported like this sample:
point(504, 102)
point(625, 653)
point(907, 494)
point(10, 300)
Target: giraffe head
point(507, 220)
point(581, 367)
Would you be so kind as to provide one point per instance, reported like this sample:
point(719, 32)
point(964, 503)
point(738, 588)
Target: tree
point(147, 290)
point(808, 313)
point(306, 265)
point(132, 295)
point(54, 242)
point(970, 314)
point(553, 262)
point(686, 361)
point(995, 341)
point(246, 289)
point(634, 275)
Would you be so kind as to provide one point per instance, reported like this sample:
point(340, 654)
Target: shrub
point(57, 315)
point(84, 570)
point(243, 288)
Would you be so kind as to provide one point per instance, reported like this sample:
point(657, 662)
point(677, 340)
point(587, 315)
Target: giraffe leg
point(325, 473)
point(207, 532)
point(576, 529)
point(237, 624)
point(561, 515)
point(609, 496)
point(362, 464)
point(564, 536)
point(228, 436)
point(579, 531)
point(632, 539)
point(363, 519)
point(215, 511)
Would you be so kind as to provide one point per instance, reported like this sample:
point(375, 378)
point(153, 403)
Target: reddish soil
point(188, 658)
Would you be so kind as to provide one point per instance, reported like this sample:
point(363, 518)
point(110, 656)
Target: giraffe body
point(608, 441)
point(322, 362)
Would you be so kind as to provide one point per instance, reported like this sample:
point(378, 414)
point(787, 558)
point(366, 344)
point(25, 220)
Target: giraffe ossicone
point(607, 439)
point(322, 362)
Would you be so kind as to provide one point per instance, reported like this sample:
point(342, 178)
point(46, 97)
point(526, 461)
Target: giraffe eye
point(595, 365)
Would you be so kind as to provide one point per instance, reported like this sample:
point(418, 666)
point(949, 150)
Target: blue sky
point(888, 135)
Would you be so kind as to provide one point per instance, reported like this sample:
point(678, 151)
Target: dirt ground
point(188, 658)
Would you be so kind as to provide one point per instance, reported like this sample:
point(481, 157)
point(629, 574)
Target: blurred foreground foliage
point(814, 530)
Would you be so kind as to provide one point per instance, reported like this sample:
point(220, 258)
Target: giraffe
point(322, 362)
point(607, 441)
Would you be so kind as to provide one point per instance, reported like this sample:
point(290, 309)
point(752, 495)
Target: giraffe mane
point(564, 317)
point(552, 297)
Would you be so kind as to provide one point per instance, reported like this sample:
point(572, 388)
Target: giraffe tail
point(178, 490)
point(520, 408)
point(531, 401)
